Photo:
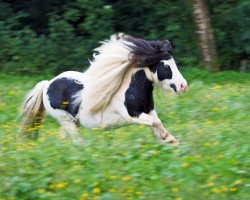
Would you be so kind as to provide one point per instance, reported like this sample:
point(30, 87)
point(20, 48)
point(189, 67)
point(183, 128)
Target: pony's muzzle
point(183, 87)
point(179, 89)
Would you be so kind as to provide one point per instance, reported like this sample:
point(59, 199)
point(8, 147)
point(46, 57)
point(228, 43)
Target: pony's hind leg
point(68, 126)
point(63, 132)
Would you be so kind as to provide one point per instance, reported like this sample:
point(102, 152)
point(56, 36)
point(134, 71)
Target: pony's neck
point(139, 94)
point(141, 79)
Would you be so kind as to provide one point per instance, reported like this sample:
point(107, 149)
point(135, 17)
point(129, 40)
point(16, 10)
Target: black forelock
point(147, 53)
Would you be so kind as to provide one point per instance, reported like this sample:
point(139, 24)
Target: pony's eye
point(166, 66)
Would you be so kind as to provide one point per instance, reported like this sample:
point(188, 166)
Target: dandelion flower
point(96, 190)
point(215, 190)
point(175, 190)
point(41, 190)
point(126, 178)
point(61, 185)
point(184, 164)
point(233, 189)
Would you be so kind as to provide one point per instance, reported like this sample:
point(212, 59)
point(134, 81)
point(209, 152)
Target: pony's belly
point(102, 120)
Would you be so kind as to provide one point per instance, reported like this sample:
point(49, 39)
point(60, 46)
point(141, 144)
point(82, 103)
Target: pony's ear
point(166, 45)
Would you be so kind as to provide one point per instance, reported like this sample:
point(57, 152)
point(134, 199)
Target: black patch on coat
point(61, 92)
point(139, 95)
point(163, 71)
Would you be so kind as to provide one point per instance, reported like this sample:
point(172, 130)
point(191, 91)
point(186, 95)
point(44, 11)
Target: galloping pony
point(117, 89)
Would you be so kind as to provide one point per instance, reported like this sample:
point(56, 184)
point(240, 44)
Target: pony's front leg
point(161, 133)
point(152, 120)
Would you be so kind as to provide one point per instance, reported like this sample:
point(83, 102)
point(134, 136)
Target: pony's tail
point(32, 112)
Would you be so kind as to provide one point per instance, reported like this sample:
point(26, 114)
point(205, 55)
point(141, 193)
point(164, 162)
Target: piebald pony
point(116, 89)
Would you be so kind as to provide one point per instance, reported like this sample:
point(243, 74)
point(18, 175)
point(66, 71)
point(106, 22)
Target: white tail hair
point(32, 111)
point(107, 71)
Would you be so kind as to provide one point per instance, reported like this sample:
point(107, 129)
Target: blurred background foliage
point(49, 37)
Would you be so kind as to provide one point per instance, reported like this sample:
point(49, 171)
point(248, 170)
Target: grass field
point(212, 162)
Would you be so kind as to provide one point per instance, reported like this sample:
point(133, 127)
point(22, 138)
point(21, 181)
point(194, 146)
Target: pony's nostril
point(173, 86)
point(183, 87)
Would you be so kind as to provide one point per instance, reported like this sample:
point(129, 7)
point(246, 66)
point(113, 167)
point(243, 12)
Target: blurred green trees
point(53, 36)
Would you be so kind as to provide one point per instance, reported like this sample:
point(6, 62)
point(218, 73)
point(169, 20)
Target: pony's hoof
point(171, 140)
point(171, 143)
point(174, 143)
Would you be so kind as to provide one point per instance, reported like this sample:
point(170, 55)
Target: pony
point(116, 89)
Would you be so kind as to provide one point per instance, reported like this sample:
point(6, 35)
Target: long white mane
point(107, 71)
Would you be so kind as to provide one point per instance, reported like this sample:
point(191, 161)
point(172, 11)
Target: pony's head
point(166, 73)
point(157, 56)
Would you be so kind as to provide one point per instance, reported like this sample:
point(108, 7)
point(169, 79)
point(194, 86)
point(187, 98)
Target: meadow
point(211, 121)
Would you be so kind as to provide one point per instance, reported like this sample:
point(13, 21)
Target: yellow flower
point(61, 185)
point(184, 164)
point(215, 109)
point(96, 197)
point(138, 193)
point(41, 190)
point(126, 178)
point(96, 184)
point(224, 188)
point(208, 122)
point(52, 186)
point(215, 190)
point(154, 152)
point(96, 190)
point(200, 131)
point(198, 156)
point(233, 189)
point(219, 156)
point(77, 180)
point(112, 177)
point(216, 87)
point(130, 190)
point(206, 144)
point(112, 190)
point(213, 177)
point(96, 129)
point(11, 92)
point(238, 182)
point(84, 196)
point(175, 190)
point(210, 184)
point(224, 108)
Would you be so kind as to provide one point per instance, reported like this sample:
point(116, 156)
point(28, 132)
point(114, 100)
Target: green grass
point(211, 121)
